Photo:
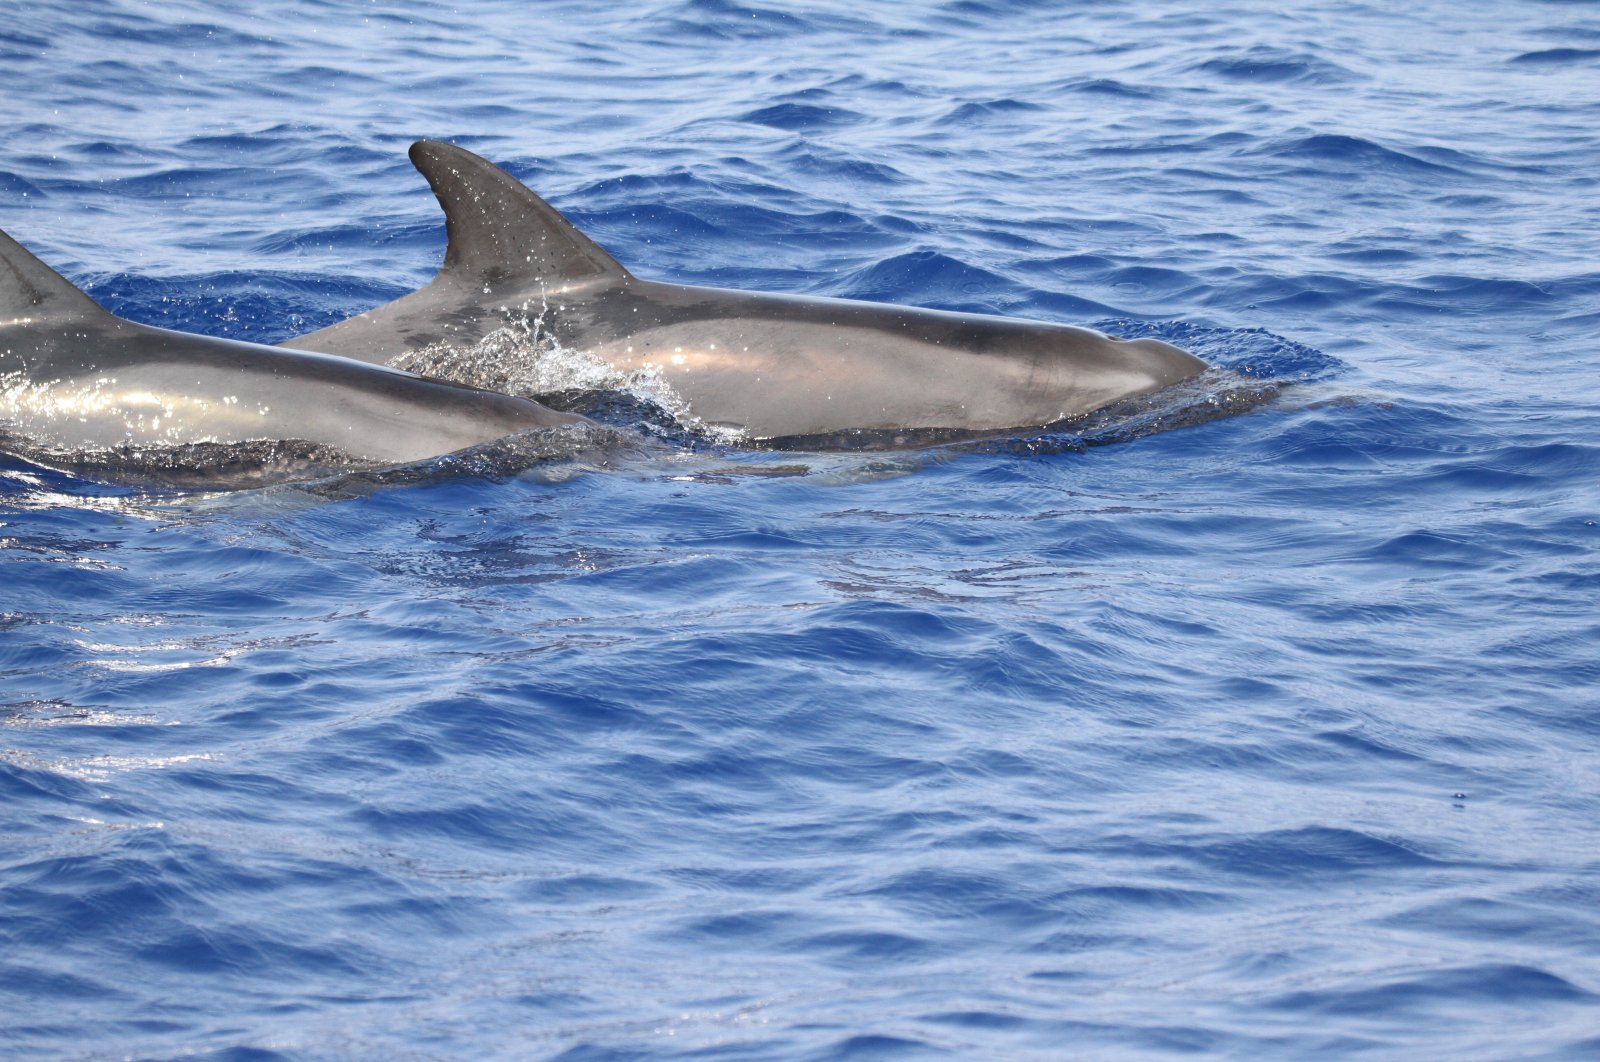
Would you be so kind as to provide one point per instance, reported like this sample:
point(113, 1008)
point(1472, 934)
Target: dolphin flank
point(773, 366)
point(75, 380)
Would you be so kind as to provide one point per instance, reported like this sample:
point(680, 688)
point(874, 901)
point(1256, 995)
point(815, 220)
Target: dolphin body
point(75, 380)
point(772, 366)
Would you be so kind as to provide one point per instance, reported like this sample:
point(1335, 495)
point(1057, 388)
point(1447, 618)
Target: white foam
point(525, 358)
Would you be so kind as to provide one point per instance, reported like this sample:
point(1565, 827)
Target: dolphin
point(76, 380)
point(770, 366)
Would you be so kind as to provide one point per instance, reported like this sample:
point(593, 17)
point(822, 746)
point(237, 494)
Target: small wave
point(838, 226)
point(1354, 152)
point(974, 14)
point(1152, 281)
point(812, 160)
point(725, 20)
point(1483, 984)
point(104, 149)
point(235, 143)
point(1474, 295)
point(185, 182)
point(13, 185)
point(799, 117)
point(1278, 65)
point(858, 86)
point(1432, 551)
point(1106, 86)
point(23, 40)
point(1320, 853)
point(679, 226)
point(1308, 292)
point(926, 278)
point(348, 236)
point(135, 29)
point(1552, 56)
point(974, 111)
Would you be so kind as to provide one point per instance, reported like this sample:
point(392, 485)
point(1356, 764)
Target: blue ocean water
point(1268, 735)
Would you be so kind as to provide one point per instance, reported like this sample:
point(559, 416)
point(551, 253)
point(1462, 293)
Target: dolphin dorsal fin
point(499, 230)
point(29, 288)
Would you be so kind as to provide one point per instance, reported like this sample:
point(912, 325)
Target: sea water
point(1268, 734)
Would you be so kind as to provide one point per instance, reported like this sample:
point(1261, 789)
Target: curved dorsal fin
point(499, 230)
point(29, 288)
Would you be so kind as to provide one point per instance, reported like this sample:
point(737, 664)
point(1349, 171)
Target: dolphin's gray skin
point(776, 366)
point(74, 379)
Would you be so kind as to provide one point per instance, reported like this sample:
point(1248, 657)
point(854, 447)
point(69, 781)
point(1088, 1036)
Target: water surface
point(1269, 735)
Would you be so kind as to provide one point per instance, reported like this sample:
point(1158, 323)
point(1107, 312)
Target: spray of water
point(524, 357)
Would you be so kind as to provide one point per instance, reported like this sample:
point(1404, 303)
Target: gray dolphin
point(76, 380)
point(773, 366)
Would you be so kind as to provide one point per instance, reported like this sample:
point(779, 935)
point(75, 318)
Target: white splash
point(525, 358)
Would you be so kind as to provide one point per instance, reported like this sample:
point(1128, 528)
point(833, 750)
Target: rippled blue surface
point(1273, 736)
